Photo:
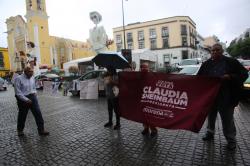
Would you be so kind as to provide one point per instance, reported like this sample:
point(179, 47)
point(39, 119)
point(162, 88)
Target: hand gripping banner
point(168, 101)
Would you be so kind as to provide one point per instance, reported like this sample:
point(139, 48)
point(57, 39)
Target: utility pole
point(124, 43)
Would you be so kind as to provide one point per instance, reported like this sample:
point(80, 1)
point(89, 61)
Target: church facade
point(49, 50)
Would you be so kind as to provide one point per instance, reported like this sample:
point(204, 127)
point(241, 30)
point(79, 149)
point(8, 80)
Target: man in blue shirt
point(25, 91)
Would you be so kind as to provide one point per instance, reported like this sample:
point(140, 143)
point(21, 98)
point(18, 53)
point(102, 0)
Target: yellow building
point(171, 39)
point(4, 62)
point(48, 49)
point(210, 41)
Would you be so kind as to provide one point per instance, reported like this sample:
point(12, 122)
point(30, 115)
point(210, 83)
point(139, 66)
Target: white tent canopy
point(75, 63)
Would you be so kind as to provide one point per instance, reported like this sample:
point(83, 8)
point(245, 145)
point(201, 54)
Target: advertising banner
point(89, 89)
point(167, 100)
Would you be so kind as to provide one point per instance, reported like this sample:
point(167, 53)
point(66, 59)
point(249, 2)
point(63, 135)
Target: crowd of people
point(231, 72)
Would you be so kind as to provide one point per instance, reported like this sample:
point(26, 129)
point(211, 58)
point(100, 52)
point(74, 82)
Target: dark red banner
point(166, 100)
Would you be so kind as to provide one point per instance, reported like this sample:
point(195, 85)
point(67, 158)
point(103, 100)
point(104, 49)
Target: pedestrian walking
point(111, 82)
point(15, 75)
point(25, 93)
point(146, 131)
point(233, 74)
point(65, 86)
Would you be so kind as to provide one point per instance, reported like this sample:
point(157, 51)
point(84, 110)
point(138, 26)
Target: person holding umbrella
point(111, 82)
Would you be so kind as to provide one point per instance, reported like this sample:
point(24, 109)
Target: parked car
point(46, 77)
point(246, 64)
point(74, 87)
point(193, 70)
point(3, 84)
point(187, 62)
point(246, 88)
point(190, 69)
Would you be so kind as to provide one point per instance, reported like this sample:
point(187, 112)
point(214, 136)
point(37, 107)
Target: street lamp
point(124, 44)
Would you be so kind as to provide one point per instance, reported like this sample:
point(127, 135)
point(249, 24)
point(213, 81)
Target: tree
point(73, 69)
point(240, 49)
point(245, 49)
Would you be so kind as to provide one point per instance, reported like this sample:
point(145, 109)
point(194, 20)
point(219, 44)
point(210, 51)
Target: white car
point(188, 62)
point(190, 70)
point(3, 84)
point(74, 87)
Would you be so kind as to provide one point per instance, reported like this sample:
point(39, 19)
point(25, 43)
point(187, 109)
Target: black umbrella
point(111, 59)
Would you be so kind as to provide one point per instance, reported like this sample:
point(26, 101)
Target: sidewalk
point(77, 137)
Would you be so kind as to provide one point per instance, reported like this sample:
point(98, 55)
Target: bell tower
point(38, 29)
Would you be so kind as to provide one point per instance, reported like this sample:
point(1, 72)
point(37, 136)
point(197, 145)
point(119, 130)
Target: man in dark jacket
point(233, 74)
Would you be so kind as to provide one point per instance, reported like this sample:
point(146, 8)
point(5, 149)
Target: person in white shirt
point(25, 93)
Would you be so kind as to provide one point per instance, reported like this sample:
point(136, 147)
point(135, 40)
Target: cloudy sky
point(226, 19)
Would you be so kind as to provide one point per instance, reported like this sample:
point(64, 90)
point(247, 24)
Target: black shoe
point(43, 133)
point(117, 127)
point(145, 132)
point(153, 134)
point(20, 133)
point(231, 146)
point(109, 124)
point(208, 137)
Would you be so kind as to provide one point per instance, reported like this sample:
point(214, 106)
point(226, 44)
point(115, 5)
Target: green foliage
point(240, 49)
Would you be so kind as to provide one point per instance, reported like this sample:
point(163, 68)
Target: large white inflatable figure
point(31, 58)
point(97, 35)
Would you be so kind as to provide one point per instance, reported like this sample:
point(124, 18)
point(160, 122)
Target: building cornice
point(157, 22)
point(31, 13)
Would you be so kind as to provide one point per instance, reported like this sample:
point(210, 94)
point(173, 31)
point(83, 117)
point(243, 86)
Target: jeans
point(227, 118)
point(23, 111)
point(113, 105)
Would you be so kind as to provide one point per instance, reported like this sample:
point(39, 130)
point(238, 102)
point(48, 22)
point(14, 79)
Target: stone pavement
point(77, 137)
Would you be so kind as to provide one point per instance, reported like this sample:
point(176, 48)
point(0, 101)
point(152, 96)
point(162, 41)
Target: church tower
point(38, 29)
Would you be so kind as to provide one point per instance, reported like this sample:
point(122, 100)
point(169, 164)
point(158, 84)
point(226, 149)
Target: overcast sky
point(226, 19)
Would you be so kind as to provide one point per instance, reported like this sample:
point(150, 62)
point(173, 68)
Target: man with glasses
point(232, 75)
point(25, 91)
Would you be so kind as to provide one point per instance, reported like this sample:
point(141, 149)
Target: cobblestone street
point(77, 137)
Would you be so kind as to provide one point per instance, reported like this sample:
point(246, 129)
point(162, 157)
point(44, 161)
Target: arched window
point(1, 60)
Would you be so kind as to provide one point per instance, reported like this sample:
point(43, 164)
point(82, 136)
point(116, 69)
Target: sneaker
point(208, 137)
point(20, 133)
point(43, 133)
point(145, 132)
point(231, 146)
point(153, 134)
point(117, 127)
point(109, 124)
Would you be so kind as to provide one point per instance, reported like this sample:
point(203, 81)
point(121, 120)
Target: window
point(141, 44)
point(119, 47)
point(91, 75)
point(166, 58)
point(165, 43)
point(152, 33)
point(39, 5)
point(184, 41)
point(130, 45)
point(140, 35)
point(153, 44)
point(183, 30)
point(129, 37)
point(185, 54)
point(164, 32)
point(1, 60)
point(30, 4)
point(118, 39)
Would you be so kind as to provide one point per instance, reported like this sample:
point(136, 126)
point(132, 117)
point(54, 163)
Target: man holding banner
point(145, 68)
point(233, 74)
